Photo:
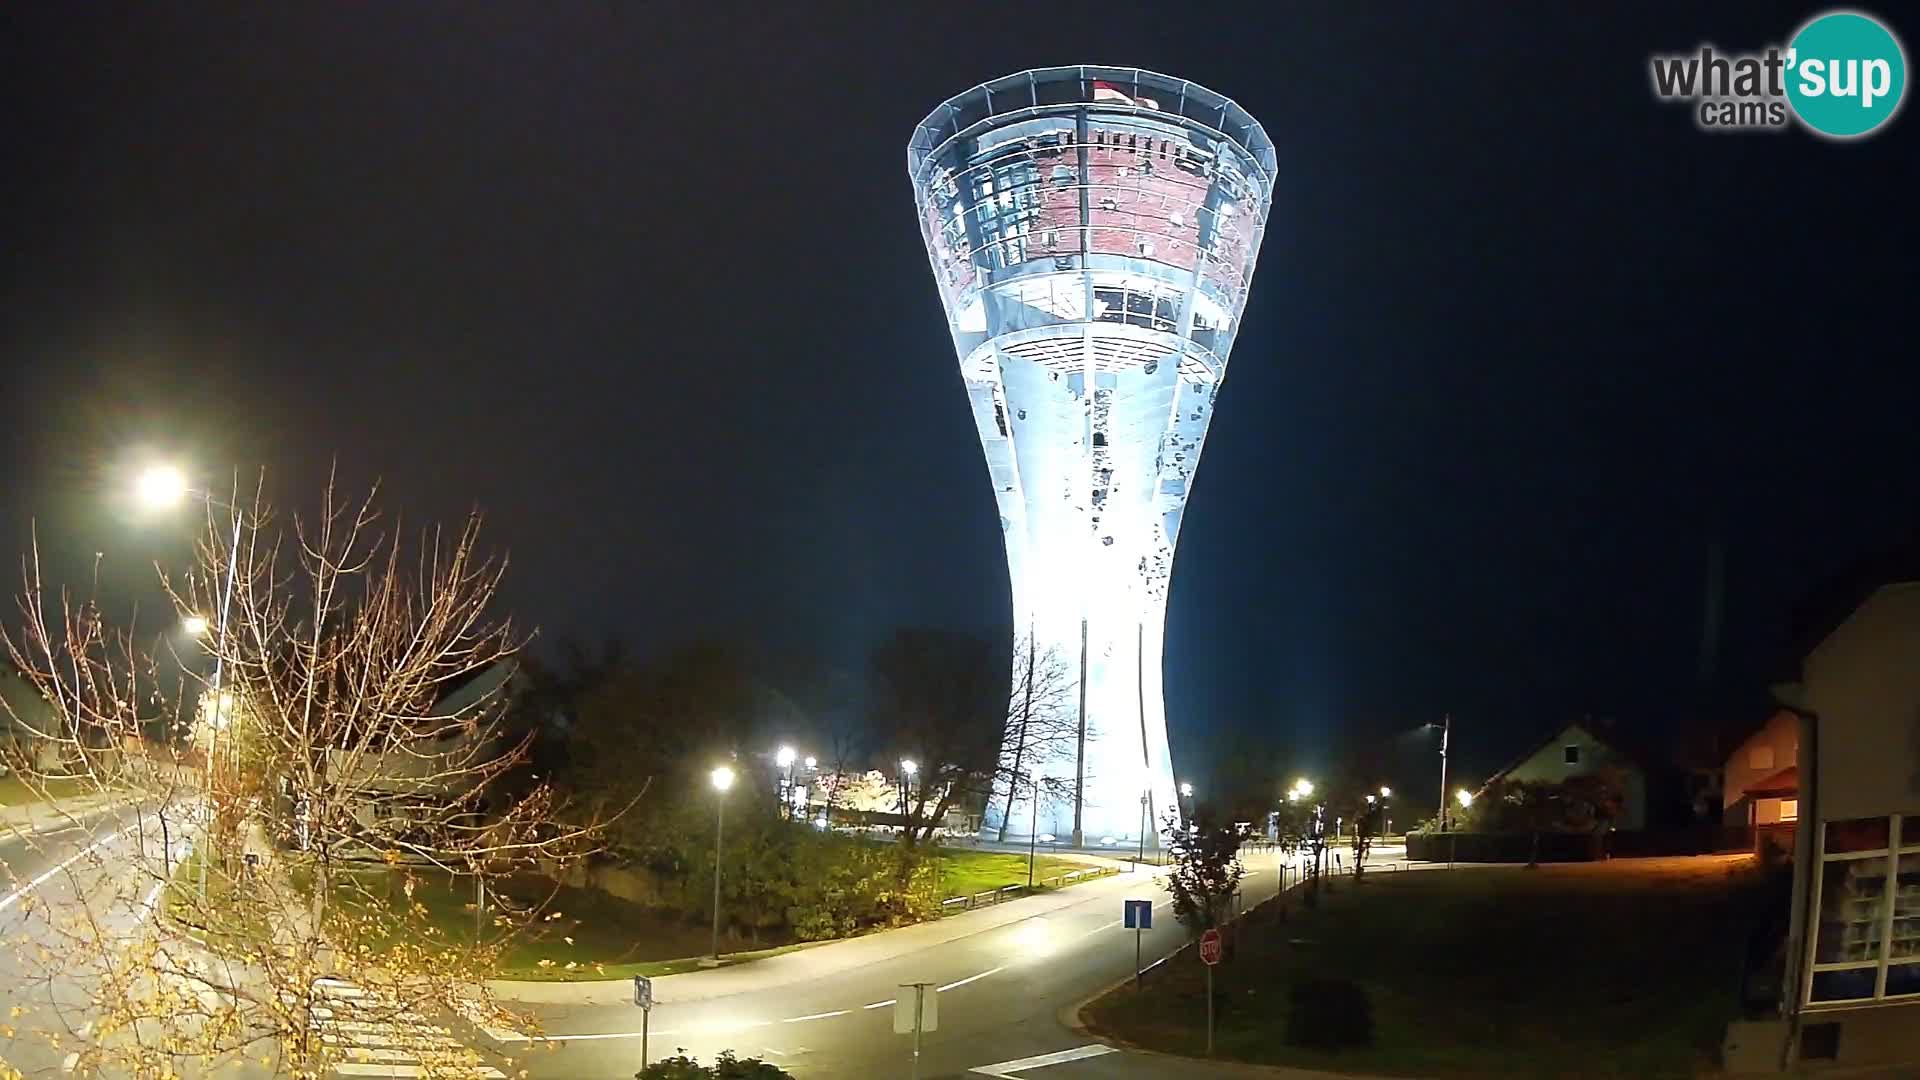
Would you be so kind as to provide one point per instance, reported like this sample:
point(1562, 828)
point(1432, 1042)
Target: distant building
point(1762, 781)
point(1575, 750)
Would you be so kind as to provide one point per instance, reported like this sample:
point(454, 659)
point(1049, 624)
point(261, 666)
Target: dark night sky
point(644, 282)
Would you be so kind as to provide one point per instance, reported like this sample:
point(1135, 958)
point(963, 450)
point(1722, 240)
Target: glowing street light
point(908, 767)
point(1186, 791)
point(785, 757)
point(812, 762)
point(194, 626)
point(161, 487)
point(722, 779)
point(1303, 786)
point(1386, 792)
point(1465, 797)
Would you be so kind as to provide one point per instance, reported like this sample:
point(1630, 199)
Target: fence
point(1476, 847)
point(954, 904)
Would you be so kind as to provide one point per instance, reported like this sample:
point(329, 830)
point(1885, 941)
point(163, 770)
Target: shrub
point(1328, 1014)
point(726, 1067)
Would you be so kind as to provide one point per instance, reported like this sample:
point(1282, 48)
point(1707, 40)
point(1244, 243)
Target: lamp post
point(1446, 733)
point(1033, 837)
point(785, 759)
point(1186, 795)
point(162, 487)
point(722, 778)
point(1386, 812)
point(908, 767)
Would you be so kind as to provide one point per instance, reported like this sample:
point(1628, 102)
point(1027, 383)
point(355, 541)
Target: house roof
point(1784, 782)
point(1822, 609)
point(1613, 743)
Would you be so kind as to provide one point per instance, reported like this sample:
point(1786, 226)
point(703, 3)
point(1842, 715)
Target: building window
point(1572, 755)
point(1866, 925)
point(1789, 809)
point(1760, 757)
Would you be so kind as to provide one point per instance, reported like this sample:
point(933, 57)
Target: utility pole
point(1080, 751)
point(1446, 732)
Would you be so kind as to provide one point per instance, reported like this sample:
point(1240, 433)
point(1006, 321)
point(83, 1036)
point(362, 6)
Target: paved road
point(1002, 976)
point(39, 872)
point(1000, 994)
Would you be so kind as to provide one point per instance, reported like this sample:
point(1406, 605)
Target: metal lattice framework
point(1093, 231)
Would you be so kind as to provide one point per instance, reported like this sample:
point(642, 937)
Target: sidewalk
point(819, 961)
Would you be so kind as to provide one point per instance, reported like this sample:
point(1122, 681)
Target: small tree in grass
point(1204, 869)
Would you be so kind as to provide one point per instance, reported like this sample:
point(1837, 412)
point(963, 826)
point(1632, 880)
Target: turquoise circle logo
point(1846, 74)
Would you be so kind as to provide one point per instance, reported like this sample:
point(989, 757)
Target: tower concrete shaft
point(1093, 231)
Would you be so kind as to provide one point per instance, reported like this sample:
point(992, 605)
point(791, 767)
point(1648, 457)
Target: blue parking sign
point(1139, 914)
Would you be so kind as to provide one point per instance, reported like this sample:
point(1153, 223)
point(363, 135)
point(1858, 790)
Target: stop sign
point(1210, 947)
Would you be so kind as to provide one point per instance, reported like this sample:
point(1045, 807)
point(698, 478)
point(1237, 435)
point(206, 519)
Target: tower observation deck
point(1093, 232)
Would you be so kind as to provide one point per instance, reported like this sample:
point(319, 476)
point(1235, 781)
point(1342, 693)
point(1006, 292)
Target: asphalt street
point(1000, 995)
point(1002, 977)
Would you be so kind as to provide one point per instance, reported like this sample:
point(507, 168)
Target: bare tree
point(1041, 727)
point(329, 795)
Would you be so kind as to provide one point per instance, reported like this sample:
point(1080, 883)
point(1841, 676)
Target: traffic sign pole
point(1210, 955)
point(643, 997)
point(1137, 915)
point(1209, 1010)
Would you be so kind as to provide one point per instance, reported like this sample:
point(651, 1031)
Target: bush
point(1328, 1014)
point(727, 1067)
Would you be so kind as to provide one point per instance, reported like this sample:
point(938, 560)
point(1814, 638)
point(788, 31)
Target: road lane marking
point(585, 1038)
point(880, 1004)
point(1006, 1069)
point(13, 897)
point(816, 1016)
point(968, 979)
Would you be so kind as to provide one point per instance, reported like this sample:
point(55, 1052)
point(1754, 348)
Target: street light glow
point(909, 766)
point(194, 625)
point(1386, 792)
point(812, 762)
point(722, 778)
point(1465, 797)
point(161, 486)
point(1186, 791)
point(1303, 787)
point(785, 756)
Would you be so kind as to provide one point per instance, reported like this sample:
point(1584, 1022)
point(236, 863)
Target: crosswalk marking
point(377, 1036)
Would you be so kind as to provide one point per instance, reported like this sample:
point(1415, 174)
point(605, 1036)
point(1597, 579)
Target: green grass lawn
point(1625, 968)
point(965, 871)
point(15, 791)
point(595, 935)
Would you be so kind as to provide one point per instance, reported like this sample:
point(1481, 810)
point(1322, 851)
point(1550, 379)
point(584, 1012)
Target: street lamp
point(908, 767)
point(785, 760)
point(1303, 787)
point(194, 625)
point(1446, 734)
point(162, 487)
point(1386, 814)
point(722, 778)
point(1465, 797)
point(1033, 837)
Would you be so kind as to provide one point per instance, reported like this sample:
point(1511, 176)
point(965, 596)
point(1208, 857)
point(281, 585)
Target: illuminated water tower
point(1093, 231)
